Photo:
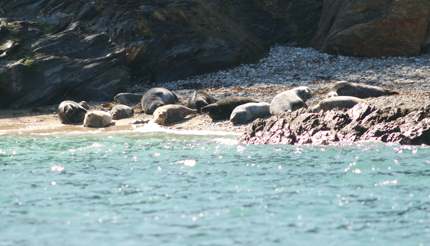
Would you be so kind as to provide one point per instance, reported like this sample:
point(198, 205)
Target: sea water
point(161, 189)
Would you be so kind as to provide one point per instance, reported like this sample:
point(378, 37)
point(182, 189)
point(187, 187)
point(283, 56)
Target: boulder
point(373, 28)
point(71, 112)
point(97, 119)
point(120, 111)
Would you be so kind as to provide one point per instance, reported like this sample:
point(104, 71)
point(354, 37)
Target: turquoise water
point(179, 190)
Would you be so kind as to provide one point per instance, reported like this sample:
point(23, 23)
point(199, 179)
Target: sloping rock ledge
point(364, 122)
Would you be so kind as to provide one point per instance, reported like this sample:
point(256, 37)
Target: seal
point(246, 113)
point(71, 112)
point(339, 102)
point(171, 114)
point(157, 97)
point(121, 111)
point(129, 99)
point(97, 119)
point(290, 100)
point(344, 88)
point(222, 109)
point(200, 99)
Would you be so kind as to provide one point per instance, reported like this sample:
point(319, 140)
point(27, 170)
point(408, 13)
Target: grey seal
point(97, 119)
point(129, 99)
point(157, 97)
point(340, 102)
point(344, 88)
point(290, 100)
point(71, 112)
point(171, 114)
point(200, 99)
point(248, 112)
point(222, 109)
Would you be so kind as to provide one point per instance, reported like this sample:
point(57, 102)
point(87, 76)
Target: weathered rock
point(246, 113)
point(71, 112)
point(343, 88)
point(222, 109)
point(373, 28)
point(97, 119)
point(91, 50)
point(157, 97)
point(129, 99)
point(120, 111)
point(329, 127)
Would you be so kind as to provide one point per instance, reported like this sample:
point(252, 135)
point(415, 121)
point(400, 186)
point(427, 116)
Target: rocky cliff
point(52, 50)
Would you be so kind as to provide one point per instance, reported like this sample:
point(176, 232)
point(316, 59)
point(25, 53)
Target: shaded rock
point(97, 119)
point(343, 88)
point(171, 114)
point(71, 112)
point(120, 111)
point(222, 109)
point(373, 28)
point(129, 99)
point(157, 97)
point(246, 113)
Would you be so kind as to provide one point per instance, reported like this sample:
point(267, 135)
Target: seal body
point(290, 100)
point(120, 111)
point(199, 100)
point(129, 99)
point(248, 112)
point(71, 112)
point(171, 114)
point(97, 119)
point(222, 109)
point(340, 102)
point(343, 88)
point(157, 97)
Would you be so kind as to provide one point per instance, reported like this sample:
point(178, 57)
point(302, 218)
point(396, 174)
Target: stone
point(97, 119)
point(120, 111)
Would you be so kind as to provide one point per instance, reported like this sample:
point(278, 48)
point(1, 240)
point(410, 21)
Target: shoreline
point(44, 121)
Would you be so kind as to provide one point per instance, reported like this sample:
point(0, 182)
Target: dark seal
point(222, 109)
point(71, 112)
point(343, 88)
point(199, 100)
point(157, 97)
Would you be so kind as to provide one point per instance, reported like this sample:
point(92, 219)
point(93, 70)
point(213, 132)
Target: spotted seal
point(222, 109)
point(290, 100)
point(97, 119)
point(339, 102)
point(71, 112)
point(171, 114)
point(344, 88)
point(157, 97)
point(248, 112)
point(200, 99)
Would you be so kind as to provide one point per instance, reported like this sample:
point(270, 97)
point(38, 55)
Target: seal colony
point(340, 112)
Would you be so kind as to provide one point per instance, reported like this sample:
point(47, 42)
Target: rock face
point(91, 50)
point(363, 122)
point(374, 28)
